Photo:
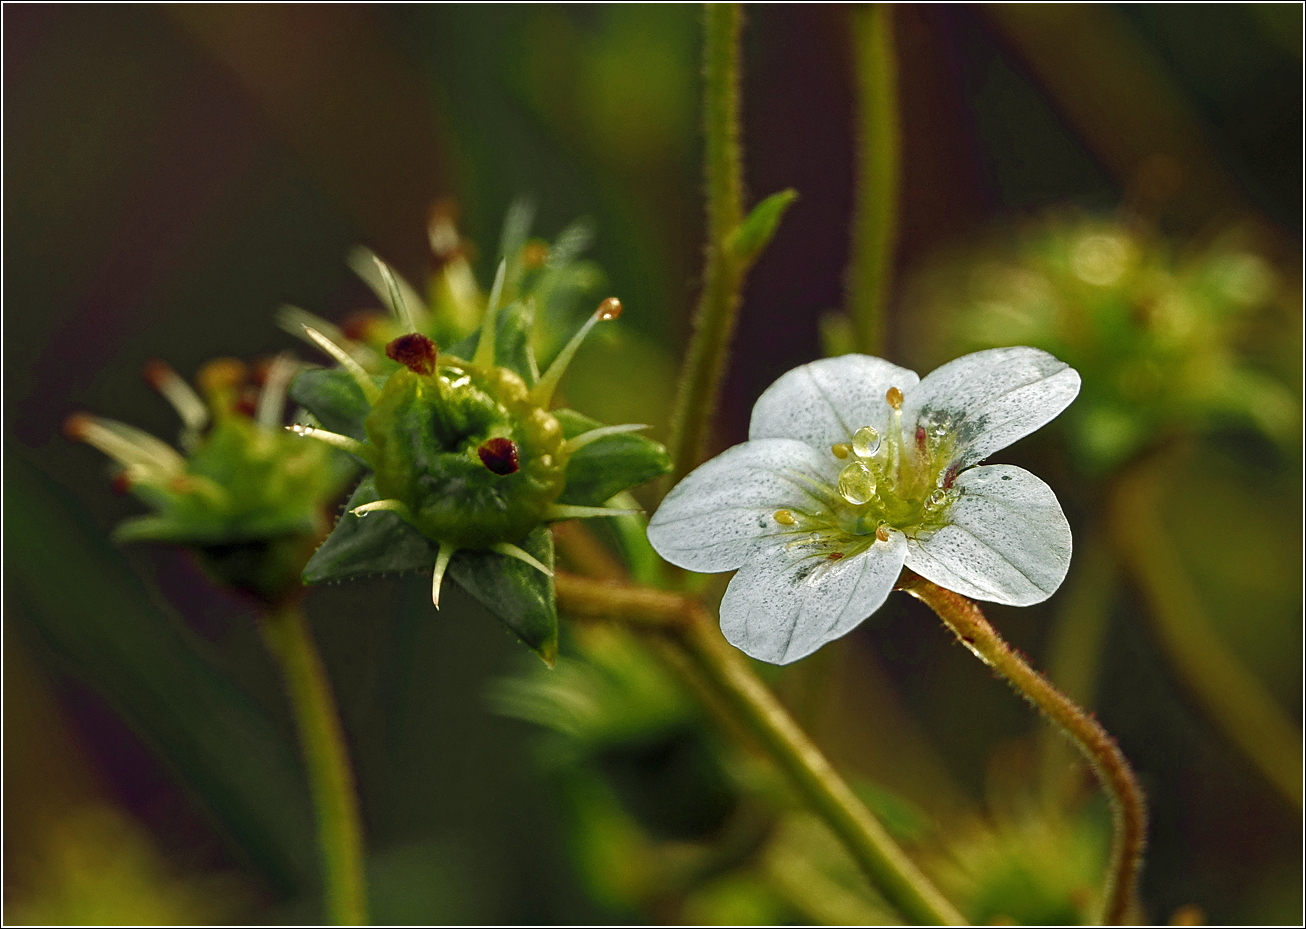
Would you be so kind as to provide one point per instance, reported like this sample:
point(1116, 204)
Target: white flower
point(854, 467)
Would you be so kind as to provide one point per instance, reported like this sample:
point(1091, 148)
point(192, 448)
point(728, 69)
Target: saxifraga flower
point(855, 467)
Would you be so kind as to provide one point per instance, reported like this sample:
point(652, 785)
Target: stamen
point(542, 392)
point(387, 506)
point(882, 532)
point(841, 450)
point(866, 442)
point(560, 511)
point(785, 518)
point(343, 442)
point(499, 455)
point(415, 352)
point(585, 438)
point(484, 357)
point(361, 377)
point(272, 399)
point(512, 551)
point(437, 573)
point(142, 453)
point(894, 396)
point(194, 414)
point(857, 483)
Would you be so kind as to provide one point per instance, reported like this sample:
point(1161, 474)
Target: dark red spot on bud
point(499, 455)
point(122, 484)
point(417, 353)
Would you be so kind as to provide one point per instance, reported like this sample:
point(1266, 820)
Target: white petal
point(828, 400)
point(784, 605)
point(1006, 541)
point(992, 398)
point(719, 515)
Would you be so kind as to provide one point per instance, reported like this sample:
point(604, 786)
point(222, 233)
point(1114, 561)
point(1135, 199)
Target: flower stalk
point(700, 380)
point(1128, 808)
point(687, 626)
point(331, 779)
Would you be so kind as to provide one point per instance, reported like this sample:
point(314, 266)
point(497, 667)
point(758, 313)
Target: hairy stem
point(714, 324)
point(331, 779)
point(1235, 700)
point(875, 216)
point(1128, 809)
point(686, 625)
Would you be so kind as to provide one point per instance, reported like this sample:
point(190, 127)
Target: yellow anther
point(841, 450)
point(785, 518)
point(882, 533)
point(894, 396)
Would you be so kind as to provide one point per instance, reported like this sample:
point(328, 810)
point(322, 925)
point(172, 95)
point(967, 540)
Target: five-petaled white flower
point(854, 467)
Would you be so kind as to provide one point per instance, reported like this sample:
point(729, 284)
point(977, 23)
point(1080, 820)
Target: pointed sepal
point(607, 466)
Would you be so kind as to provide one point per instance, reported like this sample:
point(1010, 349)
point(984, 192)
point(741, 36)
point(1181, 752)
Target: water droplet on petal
point(866, 441)
point(936, 500)
point(857, 483)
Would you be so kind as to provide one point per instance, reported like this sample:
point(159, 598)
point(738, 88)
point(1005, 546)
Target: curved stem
point(687, 626)
point(331, 779)
point(875, 217)
point(700, 379)
point(1128, 809)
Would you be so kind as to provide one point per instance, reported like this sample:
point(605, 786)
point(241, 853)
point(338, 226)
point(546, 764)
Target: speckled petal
point(722, 513)
point(785, 603)
point(828, 400)
point(1006, 541)
point(992, 398)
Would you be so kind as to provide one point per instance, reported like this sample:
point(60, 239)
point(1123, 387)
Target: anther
point(415, 352)
point(894, 396)
point(534, 254)
point(841, 450)
point(920, 438)
point(882, 533)
point(499, 455)
point(609, 309)
point(785, 518)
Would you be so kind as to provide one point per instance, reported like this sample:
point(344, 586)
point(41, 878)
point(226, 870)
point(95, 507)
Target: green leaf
point(521, 596)
point(76, 593)
point(609, 465)
point(757, 229)
point(335, 398)
point(379, 543)
point(512, 342)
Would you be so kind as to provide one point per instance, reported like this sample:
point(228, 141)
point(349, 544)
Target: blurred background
point(1119, 185)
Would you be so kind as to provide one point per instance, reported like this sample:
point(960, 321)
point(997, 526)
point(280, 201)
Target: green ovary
point(426, 431)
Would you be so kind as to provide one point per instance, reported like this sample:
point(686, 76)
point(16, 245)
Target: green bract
point(468, 463)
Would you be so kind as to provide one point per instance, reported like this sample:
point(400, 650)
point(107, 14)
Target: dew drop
point(936, 500)
point(866, 442)
point(857, 483)
point(360, 512)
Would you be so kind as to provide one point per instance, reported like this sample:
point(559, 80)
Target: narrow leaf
point(758, 228)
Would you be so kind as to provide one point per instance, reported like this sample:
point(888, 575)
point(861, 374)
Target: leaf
point(512, 342)
point(335, 398)
point(758, 228)
point(378, 543)
point(78, 595)
point(609, 465)
point(521, 596)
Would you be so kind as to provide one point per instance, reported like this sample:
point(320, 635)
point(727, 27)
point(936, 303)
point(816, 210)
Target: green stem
point(700, 380)
point(1232, 696)
point(690, 629)
point(326, 756)
point(879, 137)
point(1128, 809)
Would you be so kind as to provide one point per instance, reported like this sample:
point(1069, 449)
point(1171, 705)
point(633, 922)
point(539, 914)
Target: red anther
point(610, 308)
point(834, 556)
point(920, 437)
point(76, 425)
point(122, 484)
point(247, 403)
point(950, 476)
point(157, 372)
point(262, 368)
point(415, 352)
point(499, 455)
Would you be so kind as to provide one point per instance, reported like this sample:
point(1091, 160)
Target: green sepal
point(335, 398)
point(381, 543)
point(512, 342)
point(607, 466)
point(758, 228)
